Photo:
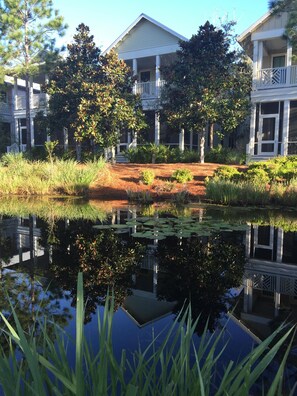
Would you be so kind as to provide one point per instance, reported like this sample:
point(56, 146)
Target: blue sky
point(107, 19)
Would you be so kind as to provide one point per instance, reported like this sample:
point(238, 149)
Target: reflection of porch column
point(277, 297)
point(248, 296)
point(158, 64)
point(284, 146)
point(248, 236)
point(182, 140)
point(157, 128)
point(279, 247)
point(191, 140)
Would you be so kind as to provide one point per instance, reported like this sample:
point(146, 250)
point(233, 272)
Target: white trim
point(137, 20)
point(268, 34)
point(143, 53)
point(274, 152)
point(286, 118)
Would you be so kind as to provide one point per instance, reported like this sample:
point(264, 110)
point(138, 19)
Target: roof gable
point(145, 33)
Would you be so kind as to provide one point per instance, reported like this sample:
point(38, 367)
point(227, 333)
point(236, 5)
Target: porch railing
point(148, 89)
point(277, 77)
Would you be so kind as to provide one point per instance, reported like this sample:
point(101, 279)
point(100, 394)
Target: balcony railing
point(148, 89)
point(38, 100)
point(277, 77)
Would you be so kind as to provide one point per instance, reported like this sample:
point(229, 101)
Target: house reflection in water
point(270, 279)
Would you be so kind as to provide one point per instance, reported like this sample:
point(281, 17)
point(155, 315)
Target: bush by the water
point(273, 181)
point(21, 176)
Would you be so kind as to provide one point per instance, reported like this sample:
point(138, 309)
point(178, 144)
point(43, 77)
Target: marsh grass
point(164, 367)
point(227, 192)
point(20, 176)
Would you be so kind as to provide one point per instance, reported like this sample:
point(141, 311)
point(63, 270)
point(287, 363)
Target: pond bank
point(125, 177)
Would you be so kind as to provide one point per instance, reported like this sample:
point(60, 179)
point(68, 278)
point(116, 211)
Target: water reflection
point(155, 261)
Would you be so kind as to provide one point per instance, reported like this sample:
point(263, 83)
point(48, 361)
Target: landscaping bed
point(126, 177)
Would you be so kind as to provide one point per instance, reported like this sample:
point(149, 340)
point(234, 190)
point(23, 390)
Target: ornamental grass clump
point(172, 364)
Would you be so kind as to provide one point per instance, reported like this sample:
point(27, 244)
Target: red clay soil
point(120, 178)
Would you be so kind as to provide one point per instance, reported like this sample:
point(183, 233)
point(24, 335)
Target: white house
point(13, 114)
point(147, 45)
point(273, 125)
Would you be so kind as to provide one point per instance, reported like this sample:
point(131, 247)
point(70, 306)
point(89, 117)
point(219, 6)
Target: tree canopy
point(91, 93)
point(208, 83)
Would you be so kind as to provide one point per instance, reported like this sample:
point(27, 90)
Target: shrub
point(182, 175)
point(257, 176)
point(147, 176)
point(226, 172)
point(221, 155)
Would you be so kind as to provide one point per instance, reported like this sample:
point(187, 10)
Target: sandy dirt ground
point(114, 183)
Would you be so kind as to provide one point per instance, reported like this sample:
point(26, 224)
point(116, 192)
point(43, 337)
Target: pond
point(237, 268)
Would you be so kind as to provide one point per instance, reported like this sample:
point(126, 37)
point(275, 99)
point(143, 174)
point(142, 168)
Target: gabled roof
point(254, 26)
point(137, 20)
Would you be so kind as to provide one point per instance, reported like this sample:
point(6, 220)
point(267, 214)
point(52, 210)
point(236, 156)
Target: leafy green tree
point(28, 29)
point(289, 6)
point(111, 107)
point(68, 80)
point(91, 94)
point(207, 84)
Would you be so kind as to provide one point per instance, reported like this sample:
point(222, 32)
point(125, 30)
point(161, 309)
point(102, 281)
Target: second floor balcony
point(278, 77)
point(38, 101)
point(148, 89)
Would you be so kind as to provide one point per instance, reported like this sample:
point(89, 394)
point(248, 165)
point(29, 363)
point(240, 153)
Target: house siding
point(146, 35)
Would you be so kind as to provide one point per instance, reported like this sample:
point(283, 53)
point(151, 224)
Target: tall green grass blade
point(79, 336)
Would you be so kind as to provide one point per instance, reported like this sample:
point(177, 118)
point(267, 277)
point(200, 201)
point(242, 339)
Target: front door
point(268, 134)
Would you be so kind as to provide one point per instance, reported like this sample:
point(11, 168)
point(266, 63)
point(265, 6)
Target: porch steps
point(120, 158)
point(259, 158)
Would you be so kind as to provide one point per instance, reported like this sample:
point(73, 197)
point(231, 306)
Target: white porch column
point(251, 144)
point(182, 140)
point(157, 128)
point(289, 62)
point(158, 75)
point(284, 149)
point(134, 140)
point(134, 67)
point(135, 71)
point(255, 59)
point(31, 117)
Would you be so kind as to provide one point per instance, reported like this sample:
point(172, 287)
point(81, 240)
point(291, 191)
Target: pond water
point(237, 267)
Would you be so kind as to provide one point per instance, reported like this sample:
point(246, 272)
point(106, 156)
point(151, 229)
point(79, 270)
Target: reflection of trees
point(32, 300)
point(200, 270)
point(107, 261)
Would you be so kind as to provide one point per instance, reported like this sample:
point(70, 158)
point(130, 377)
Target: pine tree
point(28, 29)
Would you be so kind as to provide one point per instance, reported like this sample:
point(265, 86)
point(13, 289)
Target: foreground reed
point(39, 366)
